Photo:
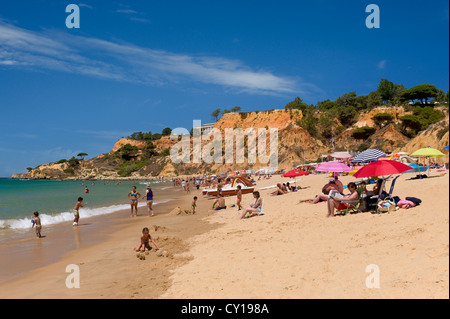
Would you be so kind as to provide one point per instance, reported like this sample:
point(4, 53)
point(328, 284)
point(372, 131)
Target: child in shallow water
point(144, 243)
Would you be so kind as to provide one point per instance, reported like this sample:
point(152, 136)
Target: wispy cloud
point(125, 62)
point(132, 15)
point(382, 64)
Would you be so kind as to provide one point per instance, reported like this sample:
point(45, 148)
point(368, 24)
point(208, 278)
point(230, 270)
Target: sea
point(54, 200)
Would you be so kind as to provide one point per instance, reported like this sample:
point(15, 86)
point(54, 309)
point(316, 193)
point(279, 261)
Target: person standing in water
point(134, 199)
point(149, 194)
point(76, 210)
point(37, 222)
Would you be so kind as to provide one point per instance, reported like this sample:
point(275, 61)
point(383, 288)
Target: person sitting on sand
point(279, 191)
point(336, 202)
point(144, 243)
point(254, 209)
point(220, 203)
point(324, 195)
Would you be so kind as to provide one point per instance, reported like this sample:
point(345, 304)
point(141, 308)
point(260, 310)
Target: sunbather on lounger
point(335, 202)
point(325, 191)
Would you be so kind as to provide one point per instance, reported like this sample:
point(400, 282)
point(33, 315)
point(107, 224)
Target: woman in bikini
point(255, 209)
point(134, 199)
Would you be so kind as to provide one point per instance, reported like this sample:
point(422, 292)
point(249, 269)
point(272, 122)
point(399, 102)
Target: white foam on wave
point(46, 219)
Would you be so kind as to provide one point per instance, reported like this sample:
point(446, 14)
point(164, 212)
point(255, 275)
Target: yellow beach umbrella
point(428, 152)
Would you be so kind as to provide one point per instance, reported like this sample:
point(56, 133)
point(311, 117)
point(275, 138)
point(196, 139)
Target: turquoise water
point(54, 200)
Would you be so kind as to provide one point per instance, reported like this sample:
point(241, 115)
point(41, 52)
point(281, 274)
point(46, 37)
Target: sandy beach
point(292, 251)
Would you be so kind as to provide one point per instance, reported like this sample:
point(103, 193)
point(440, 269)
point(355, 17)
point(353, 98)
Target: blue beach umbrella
point(446, 148)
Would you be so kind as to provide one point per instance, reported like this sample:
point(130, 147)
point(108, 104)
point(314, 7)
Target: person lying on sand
point(324, 195)
point(280, 190)
point(336, 202)
point(144, 243)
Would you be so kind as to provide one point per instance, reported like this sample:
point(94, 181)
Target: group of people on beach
point(134, 197)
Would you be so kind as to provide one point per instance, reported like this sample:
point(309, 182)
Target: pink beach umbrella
point(335, 167)
point(341, 155)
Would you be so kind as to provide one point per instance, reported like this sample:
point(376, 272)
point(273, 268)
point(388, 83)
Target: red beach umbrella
point(381, 168)
point(295, 173)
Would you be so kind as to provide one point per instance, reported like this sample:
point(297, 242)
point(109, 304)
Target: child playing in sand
point(144, 243)
point(76, 210)
point(37, 223)
point(239, 197)
point(194, 204)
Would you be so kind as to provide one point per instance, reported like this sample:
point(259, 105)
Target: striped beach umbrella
point(369, 156)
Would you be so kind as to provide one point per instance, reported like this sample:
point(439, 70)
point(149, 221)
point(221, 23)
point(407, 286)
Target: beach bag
point(396, 199)
point(414, 200)
point(386, 206)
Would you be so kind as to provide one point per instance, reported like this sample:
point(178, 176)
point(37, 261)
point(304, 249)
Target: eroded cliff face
point(295, 146)
point(436, 136)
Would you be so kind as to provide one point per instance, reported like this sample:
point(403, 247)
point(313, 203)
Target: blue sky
point(146, 65)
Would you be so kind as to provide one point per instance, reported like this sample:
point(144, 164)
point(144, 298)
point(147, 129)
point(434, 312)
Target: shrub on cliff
point(363, 133)
point(127, 152)
point(127, 168)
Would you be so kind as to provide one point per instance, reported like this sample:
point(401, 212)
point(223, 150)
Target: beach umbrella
point(446, 148)
point(335, 167)
point(341, 155)
point(382, 168)
point(295, 173)
point(427, 152)
point(369, 155)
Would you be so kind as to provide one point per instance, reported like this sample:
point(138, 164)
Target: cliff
point(295, 146)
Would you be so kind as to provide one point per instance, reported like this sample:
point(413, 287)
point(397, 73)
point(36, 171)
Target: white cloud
point(130, 63)
point(382, 64)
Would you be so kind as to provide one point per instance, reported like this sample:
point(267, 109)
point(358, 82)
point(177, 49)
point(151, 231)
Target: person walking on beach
point(134, 199)
point(149, 195)
point(76, 210)
point(37, 222)
point(144, 243)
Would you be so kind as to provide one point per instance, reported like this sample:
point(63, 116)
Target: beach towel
point(415, 200)
point(405, 204)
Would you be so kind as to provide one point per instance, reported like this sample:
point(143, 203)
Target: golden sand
point(293, 251)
